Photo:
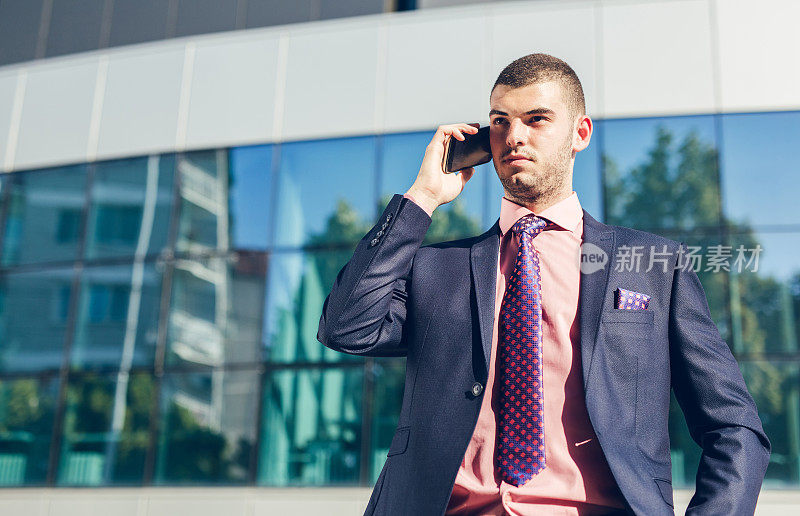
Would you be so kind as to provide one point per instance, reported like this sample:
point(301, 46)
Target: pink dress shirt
point(576, 479)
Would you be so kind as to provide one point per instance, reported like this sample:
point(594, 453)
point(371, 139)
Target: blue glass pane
point(208, 427)
point(401, 158)
point(225, 199)
point(135, 21)
point(775, 386)
point(250, 198)
point(760, 170)
point(661, 173)
point(33, 319)
point(130, 208)
point(311, 427)
point(44, 215)
point(765, 291)
point(215, 310)
point(117, 322)
point(298, 285)
point(106, 429)
point(19, 30)
point(388, 381)
point(27, 409)
point(320, 181)
point(586, 180)
point(74, 26)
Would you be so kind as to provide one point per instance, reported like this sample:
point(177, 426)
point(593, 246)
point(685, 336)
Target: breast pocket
point(626, 337)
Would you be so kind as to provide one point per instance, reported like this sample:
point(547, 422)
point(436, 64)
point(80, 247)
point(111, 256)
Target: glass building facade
point(158, 314)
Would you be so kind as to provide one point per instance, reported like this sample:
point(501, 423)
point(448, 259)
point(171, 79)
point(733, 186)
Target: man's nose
point(517, 133)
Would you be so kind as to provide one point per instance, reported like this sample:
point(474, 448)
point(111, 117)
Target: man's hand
point(433, 187)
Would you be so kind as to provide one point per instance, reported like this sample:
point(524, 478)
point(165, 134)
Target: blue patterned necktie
point(520, 429)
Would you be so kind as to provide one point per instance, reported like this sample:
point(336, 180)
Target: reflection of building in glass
point(172, 216)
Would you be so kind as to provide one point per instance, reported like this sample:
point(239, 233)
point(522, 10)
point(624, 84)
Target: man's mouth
point(516, 159)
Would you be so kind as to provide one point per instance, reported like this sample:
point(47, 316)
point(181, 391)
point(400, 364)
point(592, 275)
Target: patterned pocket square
point(631, 300)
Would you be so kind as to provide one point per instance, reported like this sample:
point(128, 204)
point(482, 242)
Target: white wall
point(394, 72)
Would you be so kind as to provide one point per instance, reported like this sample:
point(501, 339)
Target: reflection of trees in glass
point(88, 438)
point(675, 192)
point(293, 338)
point(196, 454)
point(26, 422)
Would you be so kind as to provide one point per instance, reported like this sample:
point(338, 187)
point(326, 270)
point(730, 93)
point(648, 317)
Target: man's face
point(532, 124)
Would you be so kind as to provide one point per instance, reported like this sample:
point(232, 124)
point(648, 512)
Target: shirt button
point(477, 389)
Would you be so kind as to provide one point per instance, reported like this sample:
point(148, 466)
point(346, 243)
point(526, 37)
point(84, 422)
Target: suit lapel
point(483, 257)
point(593, 288)
point(483, 262)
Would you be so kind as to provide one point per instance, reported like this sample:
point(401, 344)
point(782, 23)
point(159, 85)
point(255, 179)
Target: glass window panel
point(261, 13)
point(311, 427)
point(204, 16)
point(760, 172)
point(207, 429)
point(117, 323)
point(321, 181)
point(225, 204)
point(19, 30)
point(135, 21)
point(33, 318)
point(775, 387)
point(661, 172)
point(343, 8)
point(765, 291)
point(74, 26)
point(204, 201)
point(389, 381)
point(130, 207)
point(106, 429)
point(298, 286)
point(27, 408)
point(684, 452)
point(44, 215)
point(250, 198)
point(400, 161)
point(215, 310)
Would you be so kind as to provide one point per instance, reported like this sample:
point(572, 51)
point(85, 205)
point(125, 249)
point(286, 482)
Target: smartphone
point(474, 150)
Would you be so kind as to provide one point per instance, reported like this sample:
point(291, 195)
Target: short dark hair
point(537, 68)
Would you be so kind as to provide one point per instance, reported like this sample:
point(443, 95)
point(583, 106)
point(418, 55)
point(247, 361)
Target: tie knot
point(531, 225)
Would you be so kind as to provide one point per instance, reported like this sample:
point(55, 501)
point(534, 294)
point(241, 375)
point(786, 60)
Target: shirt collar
point(566, 213)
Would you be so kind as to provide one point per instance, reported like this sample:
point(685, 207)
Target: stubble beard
point(544, 184)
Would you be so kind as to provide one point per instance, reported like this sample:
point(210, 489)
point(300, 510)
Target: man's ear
point(583, 132)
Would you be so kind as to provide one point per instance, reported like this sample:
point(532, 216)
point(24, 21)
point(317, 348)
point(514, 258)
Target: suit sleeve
point(365, 312)
point(719, 410)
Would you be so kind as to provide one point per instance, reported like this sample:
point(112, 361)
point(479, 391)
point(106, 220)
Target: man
point(537, 380)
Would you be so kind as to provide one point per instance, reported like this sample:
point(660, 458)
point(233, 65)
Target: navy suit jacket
point(434, 304)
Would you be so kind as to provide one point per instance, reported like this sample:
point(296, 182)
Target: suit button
point(384, 225)
point(379, 234)
point(477, 389)
point(388, 217)
point(374, 242)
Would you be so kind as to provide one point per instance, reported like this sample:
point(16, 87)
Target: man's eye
point(537, 118)
point(496, 120)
